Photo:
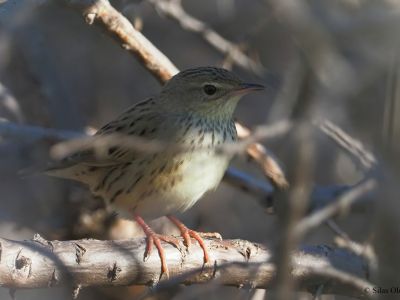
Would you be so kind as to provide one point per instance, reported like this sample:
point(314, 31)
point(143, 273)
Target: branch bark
point(39, 263)
point(119, 27)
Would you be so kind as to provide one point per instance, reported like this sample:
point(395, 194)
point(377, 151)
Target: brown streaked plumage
point(194, 110)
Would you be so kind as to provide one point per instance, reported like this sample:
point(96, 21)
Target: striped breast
point(165, 183)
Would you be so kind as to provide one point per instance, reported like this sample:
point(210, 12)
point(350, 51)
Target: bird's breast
point(172, 182)
point(203, 167)
point(201, 173)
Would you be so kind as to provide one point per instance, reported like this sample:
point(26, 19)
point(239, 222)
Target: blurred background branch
point(173, 9)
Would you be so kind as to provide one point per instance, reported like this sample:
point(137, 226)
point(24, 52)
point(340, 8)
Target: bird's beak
point(245, 88)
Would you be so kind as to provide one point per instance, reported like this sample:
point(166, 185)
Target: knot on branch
point(75, 291)
point(53, 279)
point(22, 262)
point(245, 248)
point(22, 265)
point(42, 241)
point(113, 272)
point(90, 17)
point(79, 252)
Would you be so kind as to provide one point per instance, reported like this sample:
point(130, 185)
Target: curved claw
point(187, 233)
point(199, 239)
point(155, 239)
point(149, 248)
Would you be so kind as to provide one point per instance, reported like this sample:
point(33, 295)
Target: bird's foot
point(154, 239)
point(187, 234)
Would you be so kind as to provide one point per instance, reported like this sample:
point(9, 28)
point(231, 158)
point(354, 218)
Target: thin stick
point(174, 10)
point(352, 146)
point(132, 40)
point(342, 203)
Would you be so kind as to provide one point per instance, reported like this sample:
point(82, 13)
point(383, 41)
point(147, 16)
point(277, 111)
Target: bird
point(194, 110)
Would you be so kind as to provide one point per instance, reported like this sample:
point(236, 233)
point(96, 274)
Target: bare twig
point(391, 128)
point(343, 203)
point(30, 132)
point(343, 240)
point(256, 187)
point(260, 155)
point(249, 139)
point(362, 250)
point(8, 101)
point(30, 264)
point(174, 10)
point(331, 273)
point(318, 293)
point(296, 204)
point(337, 230)
point(101, 143)
point(324, 195)
point(352, 146)
point(296, 201)
point(119, 27)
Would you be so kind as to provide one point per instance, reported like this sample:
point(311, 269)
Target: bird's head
point(207, 91)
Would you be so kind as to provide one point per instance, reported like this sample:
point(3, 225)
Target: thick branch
point(40, 263)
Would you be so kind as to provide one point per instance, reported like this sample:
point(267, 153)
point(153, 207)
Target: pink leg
point(188, 233)
point(155, 239)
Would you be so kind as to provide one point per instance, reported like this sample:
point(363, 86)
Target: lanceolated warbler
point(195, 110)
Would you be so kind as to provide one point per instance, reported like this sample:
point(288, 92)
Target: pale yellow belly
point(180, 191)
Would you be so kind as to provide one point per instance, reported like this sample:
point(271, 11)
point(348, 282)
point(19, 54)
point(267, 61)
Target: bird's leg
point(155, 239)
point(198, 236)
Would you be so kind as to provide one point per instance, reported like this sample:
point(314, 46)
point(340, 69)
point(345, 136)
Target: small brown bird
point(194, 110)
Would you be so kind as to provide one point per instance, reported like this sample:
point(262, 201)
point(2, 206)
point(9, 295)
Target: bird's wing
point(140, 120)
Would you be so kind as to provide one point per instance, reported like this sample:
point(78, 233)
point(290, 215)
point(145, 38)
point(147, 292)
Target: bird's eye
point(209, 89)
